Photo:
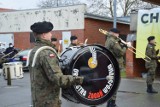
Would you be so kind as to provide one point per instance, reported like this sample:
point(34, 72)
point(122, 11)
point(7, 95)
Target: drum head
point(95, 63)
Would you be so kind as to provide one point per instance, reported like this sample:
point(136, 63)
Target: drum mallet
point(105, 78)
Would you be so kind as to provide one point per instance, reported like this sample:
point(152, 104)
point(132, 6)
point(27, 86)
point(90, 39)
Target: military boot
point(150, 89)
point(111, 103)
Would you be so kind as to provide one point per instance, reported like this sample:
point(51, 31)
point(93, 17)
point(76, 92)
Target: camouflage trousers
point(151, 75)
point(114, 96)
point(47, 104)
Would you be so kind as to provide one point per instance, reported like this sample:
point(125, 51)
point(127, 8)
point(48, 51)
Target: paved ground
point(132, 93)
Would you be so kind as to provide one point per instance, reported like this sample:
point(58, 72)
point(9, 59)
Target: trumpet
point(147, 59)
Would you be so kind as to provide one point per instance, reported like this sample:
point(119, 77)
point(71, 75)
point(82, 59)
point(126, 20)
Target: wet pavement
point(131, 93)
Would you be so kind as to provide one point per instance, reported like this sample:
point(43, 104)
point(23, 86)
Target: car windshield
point(23, 53)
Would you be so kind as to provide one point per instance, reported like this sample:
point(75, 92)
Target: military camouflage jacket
point(72, 45)
point(151, 52)
point(47, 78)
point(112, 44)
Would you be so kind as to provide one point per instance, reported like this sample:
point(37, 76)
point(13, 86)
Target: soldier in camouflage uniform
point(113, 44)
point(74, 41)
point(151, 65)
point(54, 42)
point(46, 76)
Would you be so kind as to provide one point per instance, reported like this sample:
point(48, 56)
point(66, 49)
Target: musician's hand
point(80, 44)
point(109, 77)
point(78, 80)
point(129, 45)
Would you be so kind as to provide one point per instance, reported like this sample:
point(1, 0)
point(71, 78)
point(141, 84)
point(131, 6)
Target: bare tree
point(100, 7)
point(105, 7)
point(56, 3)
point(47, 3)
point(127, 5)
point(70, 2)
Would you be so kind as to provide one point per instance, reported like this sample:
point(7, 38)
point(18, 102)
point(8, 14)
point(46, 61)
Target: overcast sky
point(19, 4)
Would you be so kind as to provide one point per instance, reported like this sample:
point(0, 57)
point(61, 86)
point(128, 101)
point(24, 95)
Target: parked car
point(23, 56)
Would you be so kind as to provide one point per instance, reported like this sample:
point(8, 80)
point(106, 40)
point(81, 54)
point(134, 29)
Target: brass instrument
point(147, 59)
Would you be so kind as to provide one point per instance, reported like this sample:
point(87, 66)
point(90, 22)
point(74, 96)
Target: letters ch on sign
point(148, 18)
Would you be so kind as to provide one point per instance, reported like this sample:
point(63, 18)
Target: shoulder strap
point(39, 50)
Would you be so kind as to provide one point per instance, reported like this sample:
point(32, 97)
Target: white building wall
point(63, 18)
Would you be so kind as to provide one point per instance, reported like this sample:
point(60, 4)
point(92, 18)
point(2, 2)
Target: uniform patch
point(51, 55)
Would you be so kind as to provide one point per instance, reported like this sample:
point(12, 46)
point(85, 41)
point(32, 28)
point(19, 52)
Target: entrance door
point(66, 39)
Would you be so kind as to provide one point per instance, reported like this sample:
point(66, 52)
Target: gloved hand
point(109, 77)
point(78, 80)
point(86, 81)
point(129, 45)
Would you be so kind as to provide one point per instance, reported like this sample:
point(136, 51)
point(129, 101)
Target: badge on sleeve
point(51, 55)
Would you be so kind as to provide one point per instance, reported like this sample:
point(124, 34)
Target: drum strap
point(39, 50)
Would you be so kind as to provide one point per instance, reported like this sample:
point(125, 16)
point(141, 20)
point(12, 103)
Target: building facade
point(82, 24)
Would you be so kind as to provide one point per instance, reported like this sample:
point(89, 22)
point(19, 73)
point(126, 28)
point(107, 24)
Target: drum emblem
point(92, 62)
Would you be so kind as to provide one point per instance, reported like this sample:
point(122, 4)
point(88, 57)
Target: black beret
point(114, 30)
point(150, 38)
point(41, 27)
point(53, 39)
point(10, 43)
point(73, 38)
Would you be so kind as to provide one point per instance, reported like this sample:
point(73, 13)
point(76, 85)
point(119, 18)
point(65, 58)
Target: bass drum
point(99, 66)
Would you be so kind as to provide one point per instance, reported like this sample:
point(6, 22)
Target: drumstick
point(85, 42)
point(105, 78)
point(17, 53)
point(7, 54)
